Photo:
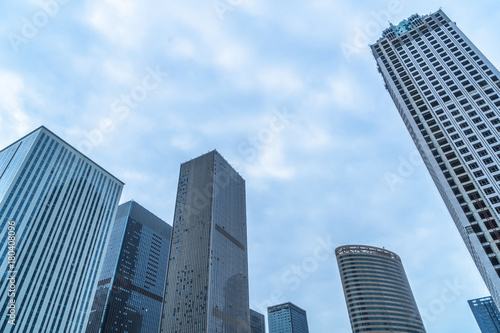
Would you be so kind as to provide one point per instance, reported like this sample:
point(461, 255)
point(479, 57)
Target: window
point(484, 182)
point(473, 138)
point(486, 133)
point(489, 190)
point(492, 140)
point(493, 168)
point(494, 199)
point(478, 174)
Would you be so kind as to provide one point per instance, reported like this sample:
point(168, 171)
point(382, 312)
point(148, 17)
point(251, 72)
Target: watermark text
point(11, 273)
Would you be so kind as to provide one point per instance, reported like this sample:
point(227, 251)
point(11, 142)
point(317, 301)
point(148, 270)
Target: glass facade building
point(61, 205)
point(287, 318)
point(448, 95)
point(207, 279)
point(377, 292)
point(130, 289)
point(257, 322)
point(486, 313)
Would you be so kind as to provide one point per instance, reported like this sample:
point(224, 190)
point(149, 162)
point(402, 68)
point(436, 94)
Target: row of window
point(421, 61)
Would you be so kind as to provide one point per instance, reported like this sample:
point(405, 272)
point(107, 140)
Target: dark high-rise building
point(257, 322)
point(56, 209)
point(130, 289)
point(287, 318)
point(377, 292)
point(448, 94)
point(486, 313)
point(207, 279)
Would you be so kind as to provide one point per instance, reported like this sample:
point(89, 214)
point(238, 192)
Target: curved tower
point(377, 292)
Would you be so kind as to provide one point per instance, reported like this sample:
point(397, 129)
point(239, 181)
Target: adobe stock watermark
point(406, 168)
point(30, 26)
point(11, 273)
point(121, 107)
point(221, 7)
point(448, 295)
point(293, 277)
point(372, 29)
point(250, 148)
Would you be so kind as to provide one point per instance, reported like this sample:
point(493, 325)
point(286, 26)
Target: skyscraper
point(447, 93)
point(377, 292)
point(207, 279)
point(130, 289)
point(257, 322)
point(287, 318)
point(60, 206)
point(486, 313)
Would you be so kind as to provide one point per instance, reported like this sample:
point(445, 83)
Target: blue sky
point(288, 93)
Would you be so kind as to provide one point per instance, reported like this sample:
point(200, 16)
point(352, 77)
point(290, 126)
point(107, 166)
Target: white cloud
point(120, 21)
point(270, 163)
point(343, 91)
point(282, 81)
point(184, 142)
point(184, 48)
point(14, 122)
point(120, 71)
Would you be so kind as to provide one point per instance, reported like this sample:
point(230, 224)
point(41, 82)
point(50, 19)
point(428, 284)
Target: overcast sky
point(288, 92)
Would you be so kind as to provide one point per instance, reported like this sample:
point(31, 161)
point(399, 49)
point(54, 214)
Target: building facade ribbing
point(62, 206)
point(287, 318)
point(447, 93)
point(207, 278)
point(129, 295)
point(486, 313)
point(377, 292)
